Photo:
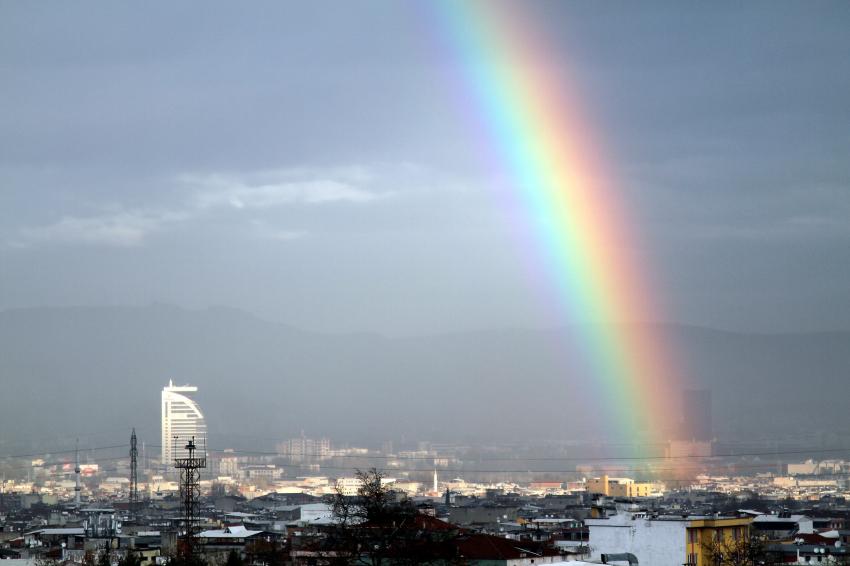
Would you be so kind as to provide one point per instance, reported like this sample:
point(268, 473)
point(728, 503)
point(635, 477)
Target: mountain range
point(83, 369)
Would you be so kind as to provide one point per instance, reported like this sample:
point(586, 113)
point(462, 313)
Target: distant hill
point(78, 370)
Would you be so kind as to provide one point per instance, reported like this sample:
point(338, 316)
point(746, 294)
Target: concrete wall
point(654, 543)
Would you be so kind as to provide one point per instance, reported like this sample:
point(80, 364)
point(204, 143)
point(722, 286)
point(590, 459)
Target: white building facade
point(666, 540)
point(182, 419)
point(653, 542)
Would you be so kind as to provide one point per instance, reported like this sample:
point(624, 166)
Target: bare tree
point(42, 560)
point(379, 527)
point(724, 551)
point(265, 553)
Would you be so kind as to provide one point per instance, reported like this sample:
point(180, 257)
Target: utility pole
point(134, 475)
point(190, 485)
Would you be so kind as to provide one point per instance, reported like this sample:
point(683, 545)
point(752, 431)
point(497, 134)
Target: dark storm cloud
point(310, 162)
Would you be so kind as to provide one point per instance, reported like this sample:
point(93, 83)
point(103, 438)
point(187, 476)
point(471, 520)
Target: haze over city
point(494, 253)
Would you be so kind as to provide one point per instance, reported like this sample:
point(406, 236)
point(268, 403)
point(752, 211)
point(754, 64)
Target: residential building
point(620, 487)
point(302, 448)
point(665, 540)
point(228, 465)
point(264, 472)
point(696, 415)
point(350, 486)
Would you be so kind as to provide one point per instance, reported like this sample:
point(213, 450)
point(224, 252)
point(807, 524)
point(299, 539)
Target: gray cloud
point(205, 195)
point(119, 228)
point(207, 153)
point(272, 188)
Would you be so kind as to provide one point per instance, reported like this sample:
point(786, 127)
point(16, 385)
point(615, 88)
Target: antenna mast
point(190, 485)
point(77, 474)
point(134, 474)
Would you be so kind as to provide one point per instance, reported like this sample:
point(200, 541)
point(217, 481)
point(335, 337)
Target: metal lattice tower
point(77, 487)
point(134, 474)
point(190, 486)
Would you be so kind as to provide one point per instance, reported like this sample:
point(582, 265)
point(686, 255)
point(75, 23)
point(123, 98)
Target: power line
point(481, 471)
point(70, 451)
point(595, 444)
point(529, 471)
point(545, 459)
point(588, 459)
point(582, 459)
point(62, 463)
point(689, 481)
point(783, 438)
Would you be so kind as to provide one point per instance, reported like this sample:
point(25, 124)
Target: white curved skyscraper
point(181, 420)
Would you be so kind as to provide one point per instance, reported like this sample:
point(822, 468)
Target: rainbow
point(580, 222)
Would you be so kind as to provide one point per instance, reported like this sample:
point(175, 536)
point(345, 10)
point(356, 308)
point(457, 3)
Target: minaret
point(77, 473)
point(436, 488)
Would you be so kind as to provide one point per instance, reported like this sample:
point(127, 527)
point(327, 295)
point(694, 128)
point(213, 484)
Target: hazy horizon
point(102, 368)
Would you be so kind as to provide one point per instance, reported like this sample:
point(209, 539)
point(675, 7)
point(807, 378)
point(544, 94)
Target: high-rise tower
point(182, 420)
point(696, 413)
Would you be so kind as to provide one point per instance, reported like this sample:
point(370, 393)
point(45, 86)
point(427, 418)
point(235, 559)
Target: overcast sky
point(312, 163)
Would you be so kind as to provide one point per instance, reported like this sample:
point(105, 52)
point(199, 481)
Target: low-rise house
point(234, 537)
point(666, 540)
point(71, 537)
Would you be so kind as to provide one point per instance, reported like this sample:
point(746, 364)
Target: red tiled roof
point(421, 522)
point(489, 547)
point(814, 538)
